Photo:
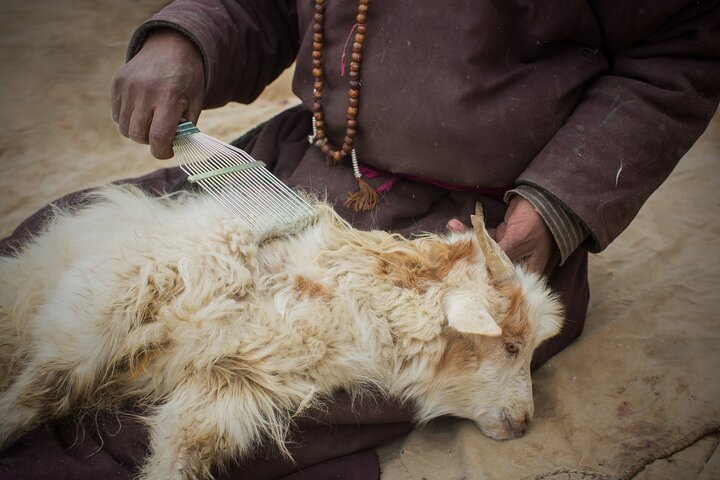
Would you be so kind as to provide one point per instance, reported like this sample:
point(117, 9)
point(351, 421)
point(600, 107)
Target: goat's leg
point(17, 415)
point(39, 392)
point(202, 425)
point(55, 376)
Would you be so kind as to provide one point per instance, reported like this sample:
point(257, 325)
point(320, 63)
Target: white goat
point(170, 303)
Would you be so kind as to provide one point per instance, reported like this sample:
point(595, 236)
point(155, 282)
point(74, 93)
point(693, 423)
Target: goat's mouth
point(504, 426)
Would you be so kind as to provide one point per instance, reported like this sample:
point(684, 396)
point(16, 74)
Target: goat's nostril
point(516, 427)
point(508, 423)
point(526, 421)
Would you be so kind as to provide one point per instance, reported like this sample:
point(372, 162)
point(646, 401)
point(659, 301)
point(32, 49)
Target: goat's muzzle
point(516, 427)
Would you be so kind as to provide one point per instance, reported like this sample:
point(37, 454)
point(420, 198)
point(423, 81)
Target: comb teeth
point(241, 184)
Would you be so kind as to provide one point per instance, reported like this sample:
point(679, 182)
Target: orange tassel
point(363, 199)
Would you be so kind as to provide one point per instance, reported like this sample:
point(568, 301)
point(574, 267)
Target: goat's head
point(496, 315)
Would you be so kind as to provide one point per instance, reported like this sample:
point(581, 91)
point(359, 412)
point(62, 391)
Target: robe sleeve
point(637, 120)
point(245, 44)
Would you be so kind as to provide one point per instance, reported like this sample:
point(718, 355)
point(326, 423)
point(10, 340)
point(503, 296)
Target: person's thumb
point(192, 113)
point(455, 225)
point(535, 263)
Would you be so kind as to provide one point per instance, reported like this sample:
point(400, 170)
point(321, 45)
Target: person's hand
point(523, 235)
point(162, 83)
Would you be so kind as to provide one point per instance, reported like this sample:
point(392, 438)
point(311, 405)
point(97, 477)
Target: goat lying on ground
point(171, 304)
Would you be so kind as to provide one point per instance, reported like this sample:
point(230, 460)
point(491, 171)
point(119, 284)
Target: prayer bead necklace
point(365, 198)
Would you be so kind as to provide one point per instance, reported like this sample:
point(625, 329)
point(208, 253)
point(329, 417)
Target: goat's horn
point(500, 267)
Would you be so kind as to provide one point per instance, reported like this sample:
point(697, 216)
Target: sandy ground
point(652, 331)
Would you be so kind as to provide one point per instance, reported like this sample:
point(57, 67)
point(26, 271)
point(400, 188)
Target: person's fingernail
point(455, 225)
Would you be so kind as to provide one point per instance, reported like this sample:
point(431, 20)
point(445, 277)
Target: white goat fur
point(169, 302)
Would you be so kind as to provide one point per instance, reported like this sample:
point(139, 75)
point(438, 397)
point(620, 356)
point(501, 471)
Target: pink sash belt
point(370, 172)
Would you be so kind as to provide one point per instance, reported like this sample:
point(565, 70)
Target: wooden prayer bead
point(332, 153)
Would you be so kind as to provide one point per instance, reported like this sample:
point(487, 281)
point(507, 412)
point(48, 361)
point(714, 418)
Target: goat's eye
point(513, 348)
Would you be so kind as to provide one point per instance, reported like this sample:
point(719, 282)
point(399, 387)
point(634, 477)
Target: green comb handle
point(185, 128)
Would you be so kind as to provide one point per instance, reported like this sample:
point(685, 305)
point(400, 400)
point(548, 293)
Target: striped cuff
point(567, 230)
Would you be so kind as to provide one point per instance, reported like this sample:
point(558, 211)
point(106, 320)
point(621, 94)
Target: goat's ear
point(467, 316)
